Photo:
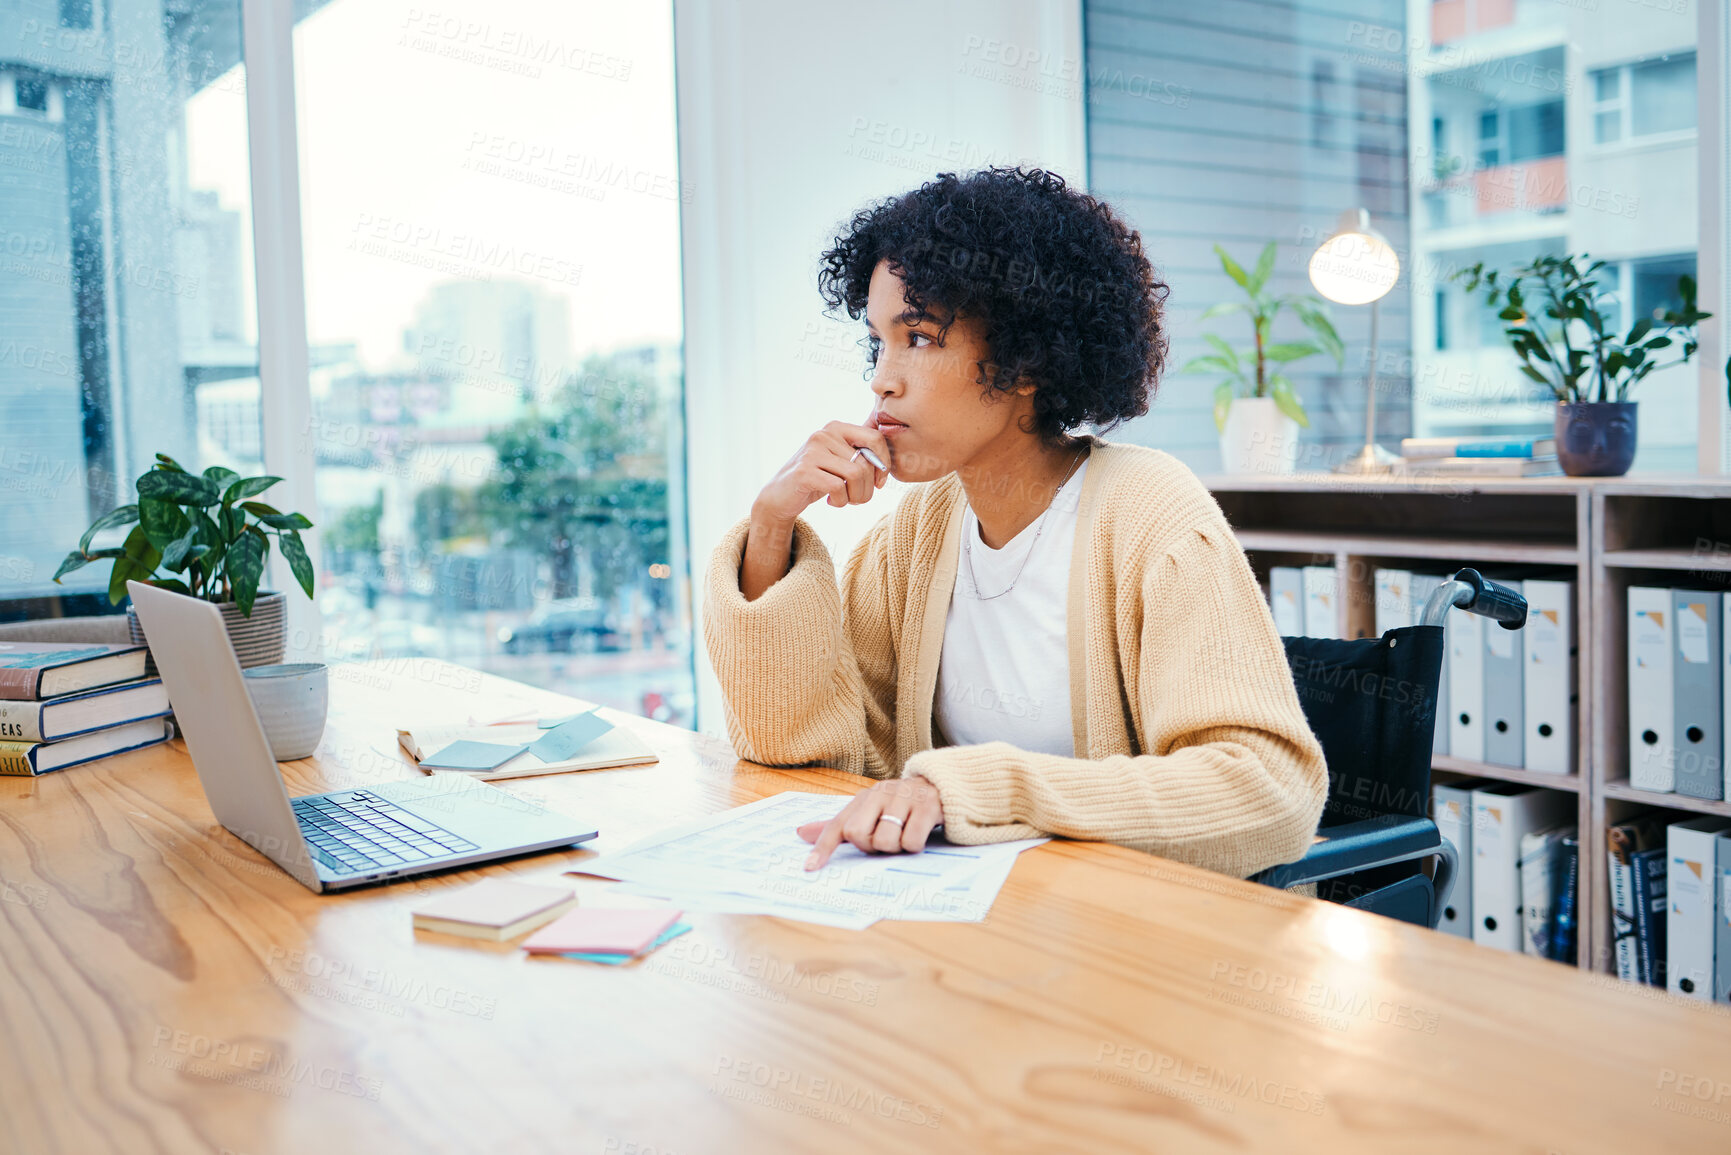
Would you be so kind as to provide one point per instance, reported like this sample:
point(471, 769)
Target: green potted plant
point(1256, 411)
point(203, 535)
point(1564, 339)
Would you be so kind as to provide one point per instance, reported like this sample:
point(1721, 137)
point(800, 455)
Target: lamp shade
point(1356, 265)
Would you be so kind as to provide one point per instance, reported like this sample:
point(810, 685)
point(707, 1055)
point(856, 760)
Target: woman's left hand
point(893, 817)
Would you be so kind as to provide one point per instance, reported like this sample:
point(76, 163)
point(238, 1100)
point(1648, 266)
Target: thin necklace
point(968, 544)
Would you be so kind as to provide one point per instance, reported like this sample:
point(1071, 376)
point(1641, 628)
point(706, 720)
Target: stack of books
point(1478, 457)
point(63, 703)
point(1669, 903)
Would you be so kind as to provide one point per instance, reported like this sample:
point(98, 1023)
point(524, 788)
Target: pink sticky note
point(600, 929)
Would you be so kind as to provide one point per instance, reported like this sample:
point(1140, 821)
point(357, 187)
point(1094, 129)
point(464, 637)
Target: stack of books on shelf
point(63, 703)
point(1677, 691)
point(1671, 903)
point(1477, 457)
point(1519, 867)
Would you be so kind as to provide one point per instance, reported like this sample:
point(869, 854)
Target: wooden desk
point(168, 990)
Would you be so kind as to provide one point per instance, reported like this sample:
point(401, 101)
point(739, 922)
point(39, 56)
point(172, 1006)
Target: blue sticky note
point(466, 755)
point(614, 960)
point(564, 740)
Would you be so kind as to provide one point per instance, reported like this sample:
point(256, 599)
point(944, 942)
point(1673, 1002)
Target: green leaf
point(1225, 350)
point(138, 561)
point(169, 462)
point(299, 563)
point(163, 521)
point(1286, 400)
point(259, 508)
point(211, 538)
point(180, 488)
point(233, 522)
point(245, 568)
point(77, 559)
point(1223, 395)
point(1264, 266)
point(1535, 375)
point(1233, 269)
point(1222, 309)
point(287, 521)
point(1209, 362)
point(248, 487)
point(1640, 329)
point(1657, 343)
point(173, 584)
point(1315, 319)
point(220, 475)
point(176, 555)
point(122, 515)
point(1291, 351)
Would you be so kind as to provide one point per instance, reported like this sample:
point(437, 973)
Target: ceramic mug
point(291, 701)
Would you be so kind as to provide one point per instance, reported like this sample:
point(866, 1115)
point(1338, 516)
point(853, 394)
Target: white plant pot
point(1258, 438)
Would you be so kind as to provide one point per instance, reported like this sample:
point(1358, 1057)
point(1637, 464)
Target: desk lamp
point(1357, 266)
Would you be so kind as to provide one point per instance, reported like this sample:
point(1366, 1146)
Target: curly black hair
point(1068, 299)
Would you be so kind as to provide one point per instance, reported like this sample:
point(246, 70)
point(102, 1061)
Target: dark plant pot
point(258, 640)
point(1595, 438)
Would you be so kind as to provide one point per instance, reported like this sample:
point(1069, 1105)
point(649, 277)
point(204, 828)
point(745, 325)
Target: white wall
point(792, 115)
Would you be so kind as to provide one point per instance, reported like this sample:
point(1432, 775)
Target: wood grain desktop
point(166, 989)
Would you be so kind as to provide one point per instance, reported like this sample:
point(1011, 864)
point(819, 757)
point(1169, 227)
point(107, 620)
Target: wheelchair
point(1372, 705)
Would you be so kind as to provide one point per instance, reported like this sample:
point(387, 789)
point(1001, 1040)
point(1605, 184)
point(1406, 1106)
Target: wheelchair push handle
point(1471, 591)
point(1494, 601)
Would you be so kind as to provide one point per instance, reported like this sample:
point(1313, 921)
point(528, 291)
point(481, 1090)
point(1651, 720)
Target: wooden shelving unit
point(1361, 526)
point(1657, 530)
point(1670, 530)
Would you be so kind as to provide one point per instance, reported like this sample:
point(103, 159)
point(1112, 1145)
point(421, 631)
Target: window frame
point(1624, 106)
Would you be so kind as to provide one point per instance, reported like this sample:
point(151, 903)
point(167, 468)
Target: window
point(494, 314)
point(77, 14)
point(1492, 148)
point(1652, 285)
point(124, 278)
point(1520, 133)
point(1517, 109)
point(1648, 98)
point(30, 94)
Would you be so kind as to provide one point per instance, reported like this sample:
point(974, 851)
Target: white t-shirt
point(1004, 674)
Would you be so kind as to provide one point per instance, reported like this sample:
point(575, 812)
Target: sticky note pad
point(614, 960)
point(466, 755)
point(602, 931)
point(564, 740)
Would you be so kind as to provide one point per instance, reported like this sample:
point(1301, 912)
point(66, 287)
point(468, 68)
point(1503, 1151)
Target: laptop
point(342, 838)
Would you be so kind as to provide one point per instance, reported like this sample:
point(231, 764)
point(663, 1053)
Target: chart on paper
point(754, 852)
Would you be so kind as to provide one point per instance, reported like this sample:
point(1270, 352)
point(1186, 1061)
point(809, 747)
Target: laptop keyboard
point(362, 832)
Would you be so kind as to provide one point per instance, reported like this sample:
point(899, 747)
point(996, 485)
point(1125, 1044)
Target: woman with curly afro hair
point(1050, 633)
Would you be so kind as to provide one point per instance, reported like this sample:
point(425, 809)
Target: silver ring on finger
point(891, 818)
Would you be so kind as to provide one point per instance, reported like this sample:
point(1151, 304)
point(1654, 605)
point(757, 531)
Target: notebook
point(541, 751)
point(495, 909)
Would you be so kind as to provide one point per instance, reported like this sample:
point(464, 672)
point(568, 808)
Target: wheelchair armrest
point(1354, 846)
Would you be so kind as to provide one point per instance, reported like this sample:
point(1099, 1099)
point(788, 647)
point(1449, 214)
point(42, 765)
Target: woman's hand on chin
point(894, 817)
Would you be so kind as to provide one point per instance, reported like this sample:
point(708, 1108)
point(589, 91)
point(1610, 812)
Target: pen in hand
point(869, 456)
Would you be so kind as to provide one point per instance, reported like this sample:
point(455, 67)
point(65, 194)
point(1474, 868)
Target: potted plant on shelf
point(202, 535)
point(1569, 346)
point(1256, 410)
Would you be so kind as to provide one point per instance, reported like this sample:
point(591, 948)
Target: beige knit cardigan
point(1190, 741)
